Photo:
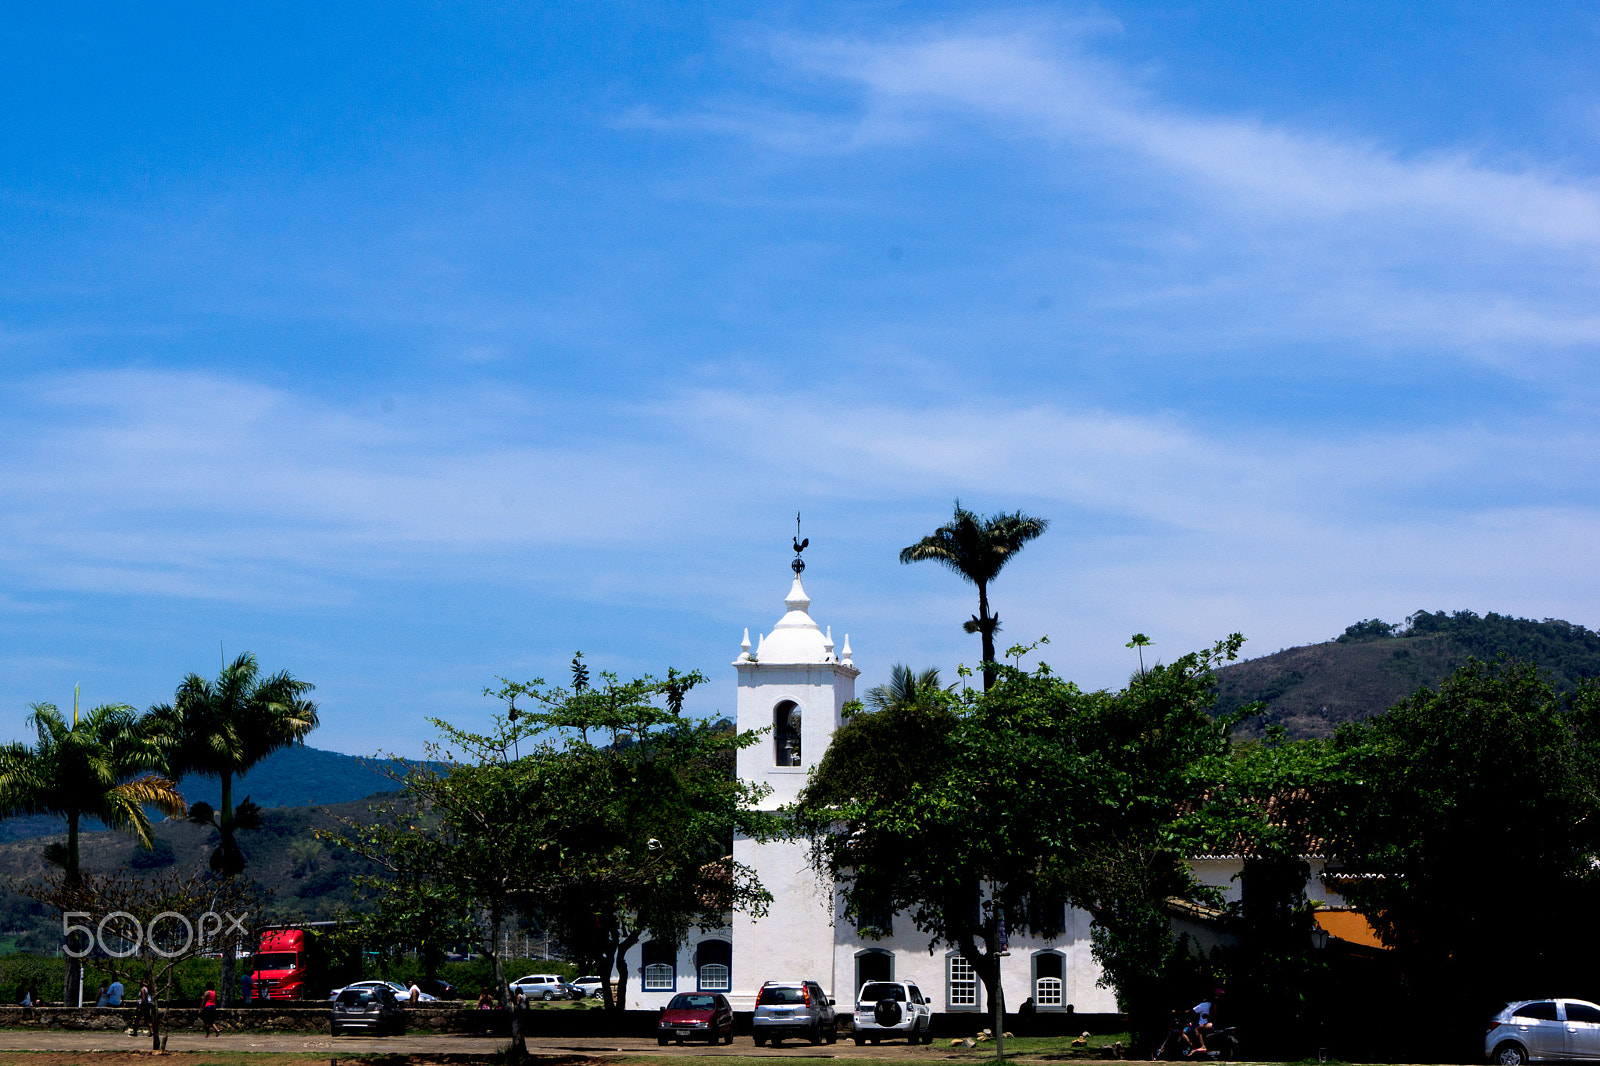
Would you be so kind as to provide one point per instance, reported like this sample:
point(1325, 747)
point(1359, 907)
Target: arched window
point(713, 964)
point(1049, 988)
point(873, 964)
point(786, 734)
point(961, 983)
point(658, 961)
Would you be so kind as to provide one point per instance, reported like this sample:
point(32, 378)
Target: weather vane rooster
point(799, 546)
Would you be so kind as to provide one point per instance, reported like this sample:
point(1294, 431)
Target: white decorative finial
point(744, 646)
point(827, 645)
point(847, 661)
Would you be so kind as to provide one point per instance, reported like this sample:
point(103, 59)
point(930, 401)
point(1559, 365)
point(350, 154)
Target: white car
point(589, 986)
point(545, 986)
point(888, 1009)
point(401, 992)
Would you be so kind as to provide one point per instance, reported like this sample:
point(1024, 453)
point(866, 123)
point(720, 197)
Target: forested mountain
point(1310, 690)
point(307, 878)
point(296, 776)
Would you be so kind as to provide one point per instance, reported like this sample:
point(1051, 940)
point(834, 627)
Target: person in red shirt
point(208, 1010)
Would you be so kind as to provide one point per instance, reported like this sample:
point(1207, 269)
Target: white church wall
point(794, 941)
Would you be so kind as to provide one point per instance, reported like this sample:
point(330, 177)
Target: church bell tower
point(793, 687)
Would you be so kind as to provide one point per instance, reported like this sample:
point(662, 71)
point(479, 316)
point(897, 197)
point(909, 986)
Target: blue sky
point(411, 345)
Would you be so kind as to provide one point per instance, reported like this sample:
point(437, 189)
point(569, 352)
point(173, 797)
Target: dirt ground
point(191, 1049)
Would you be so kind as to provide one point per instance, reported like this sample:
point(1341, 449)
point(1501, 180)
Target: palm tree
point(977, 548)
point(101, 766)
point(904, 689)
point(221, 729)
point(1140, 642)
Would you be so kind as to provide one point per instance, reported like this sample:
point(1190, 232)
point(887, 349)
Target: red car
point(696, 1016)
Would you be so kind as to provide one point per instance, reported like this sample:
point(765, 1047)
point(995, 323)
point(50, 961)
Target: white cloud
point(197, 487)
point(1049, 88)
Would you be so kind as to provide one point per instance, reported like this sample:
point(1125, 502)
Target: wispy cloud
point(1247, 228)
point(201, 486)
point(1046, 86)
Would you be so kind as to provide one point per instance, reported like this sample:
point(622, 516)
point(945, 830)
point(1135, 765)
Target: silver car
point(793, 1008)
point(1540, 1030)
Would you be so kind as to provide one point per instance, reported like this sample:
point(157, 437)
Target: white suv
point(891, 1009)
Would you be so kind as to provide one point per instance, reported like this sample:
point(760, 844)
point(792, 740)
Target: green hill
point(294, 777)
point(1373, 665)
point(307, 878)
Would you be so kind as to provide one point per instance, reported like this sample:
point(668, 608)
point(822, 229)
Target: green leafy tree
point(412, 907)
point(1467, 815)
point(978, 548)
point(960, 810)
point(100, 766)
point(1273, 807)
point(642, 805)
point(221, 729)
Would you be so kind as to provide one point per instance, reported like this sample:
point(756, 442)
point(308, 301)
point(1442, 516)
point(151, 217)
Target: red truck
point(296, 962)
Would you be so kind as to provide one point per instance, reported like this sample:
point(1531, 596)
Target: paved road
point(333, 1047)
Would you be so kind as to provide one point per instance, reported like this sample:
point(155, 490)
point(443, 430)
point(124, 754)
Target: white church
point(795, 686)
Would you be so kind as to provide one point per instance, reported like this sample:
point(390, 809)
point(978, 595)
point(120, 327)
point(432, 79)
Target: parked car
point(545, 986)
point(887, 1009)
point(401, 992)
point(793, 1008)
point(438, 988)
point(589, 986)
point(1539, 1030)
point(371, 1009)
point(696, 1016)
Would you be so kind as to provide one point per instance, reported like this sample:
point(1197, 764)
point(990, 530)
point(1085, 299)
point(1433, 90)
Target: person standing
point(415, 992)
point(114, 993)
point(143, 1011)
point(246, 987)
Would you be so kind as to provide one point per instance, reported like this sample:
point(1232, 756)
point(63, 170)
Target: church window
point(659, 961)
point(714, 965)
point(874, 964)
point(961, 985)
point(877, 923)
point(786, 734)
point(1049, 990)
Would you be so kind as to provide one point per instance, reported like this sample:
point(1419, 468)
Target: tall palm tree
point(100, 766)
point(221, 729)
point(977, 548)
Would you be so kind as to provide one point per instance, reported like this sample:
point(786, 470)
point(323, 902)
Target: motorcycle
point(1221, 1044)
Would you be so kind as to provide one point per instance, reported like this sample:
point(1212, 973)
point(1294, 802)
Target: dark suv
point(793, 1008)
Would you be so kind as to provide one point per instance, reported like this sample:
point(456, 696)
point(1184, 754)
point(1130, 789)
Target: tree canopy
point(960, 810)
